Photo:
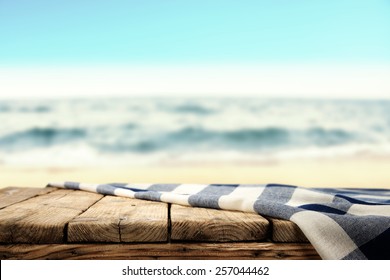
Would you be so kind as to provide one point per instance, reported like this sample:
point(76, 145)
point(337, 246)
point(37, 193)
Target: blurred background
point(195, 92)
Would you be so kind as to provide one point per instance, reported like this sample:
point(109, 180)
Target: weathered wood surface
point(12, 195)
point(203, 251)
point(200, 224)
point(69, 224)
point(43, 219)
point(119, 219)
point(286, 231)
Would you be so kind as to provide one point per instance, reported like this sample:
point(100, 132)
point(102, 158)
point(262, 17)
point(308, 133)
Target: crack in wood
point(66, 226)
point(169, 227)
point(119, 227)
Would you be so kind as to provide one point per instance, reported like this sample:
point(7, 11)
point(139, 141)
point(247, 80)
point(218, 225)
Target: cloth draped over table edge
point(342, 223)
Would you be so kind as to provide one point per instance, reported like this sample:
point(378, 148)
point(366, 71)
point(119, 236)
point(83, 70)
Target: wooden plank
point(120, 219)
point(12, 195)
point(43, 219)
point(202, 251)
point(200, 224)
point(286, 231)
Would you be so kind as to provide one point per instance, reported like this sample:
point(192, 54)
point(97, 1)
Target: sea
point(158, 131)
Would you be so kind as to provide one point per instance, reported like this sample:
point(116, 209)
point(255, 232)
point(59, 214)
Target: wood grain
point(286, 231)
point(101, 227)
point(202, 251)
point(120, 219)
point(43, 219)
point(12, 195)
point(201, 224)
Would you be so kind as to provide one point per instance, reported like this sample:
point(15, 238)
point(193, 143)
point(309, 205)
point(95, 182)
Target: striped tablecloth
point(339, 223)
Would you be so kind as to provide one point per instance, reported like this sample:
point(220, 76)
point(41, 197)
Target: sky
point(336, 48)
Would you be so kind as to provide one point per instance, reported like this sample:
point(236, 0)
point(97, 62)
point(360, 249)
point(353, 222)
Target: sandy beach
point(341, 172)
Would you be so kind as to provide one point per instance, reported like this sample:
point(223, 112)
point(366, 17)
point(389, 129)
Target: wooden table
point(50, 223)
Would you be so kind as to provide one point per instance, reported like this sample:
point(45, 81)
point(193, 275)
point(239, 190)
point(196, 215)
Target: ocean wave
point(35, 109)
point(198, 127)
point(132, 137)
point(198, 138)
point(193, 109)
point(327, 137)
point(25, 109)
point(270, 136)
point(129, 126)
point(4, 108)
point(40, 136)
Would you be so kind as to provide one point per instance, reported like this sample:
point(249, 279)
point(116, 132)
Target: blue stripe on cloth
point(381, 195)
point(339, 205)
point(118, 185)
point(163, 187)
point(106, 189)
point(358, 201)
point(148, 195)
point(273, 199)
point(209, 196)
point(154, 191)
point(125, 186)
point(72, 185)
point(322, 208)
point(385, 192)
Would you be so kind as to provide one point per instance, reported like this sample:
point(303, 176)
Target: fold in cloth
point(339, 223)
